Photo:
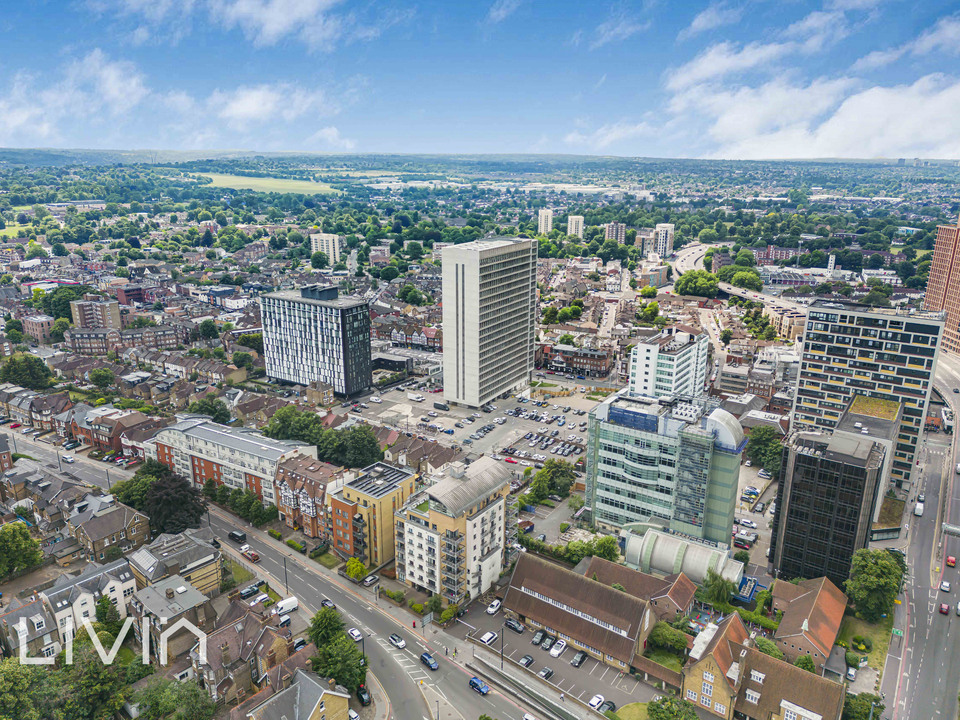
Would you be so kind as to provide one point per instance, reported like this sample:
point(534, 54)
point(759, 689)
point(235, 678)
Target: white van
point(918, 509)
point(287, 605)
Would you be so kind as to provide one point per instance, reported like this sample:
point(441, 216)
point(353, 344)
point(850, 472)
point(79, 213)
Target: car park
point(526, 661)
point(579, 659)
point(548, 642)
point(558, 647)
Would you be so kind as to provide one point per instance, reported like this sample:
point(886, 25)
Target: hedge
point(758, 619)
point(398, 596)
point(296, 546)
point(275, 534)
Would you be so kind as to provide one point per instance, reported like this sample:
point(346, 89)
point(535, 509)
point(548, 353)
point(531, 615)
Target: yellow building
point(305, 695)
point(189, 554)
point(452, 538)
point(361, 515)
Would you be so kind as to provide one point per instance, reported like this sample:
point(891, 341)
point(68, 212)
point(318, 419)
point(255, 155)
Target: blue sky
point(749, 79)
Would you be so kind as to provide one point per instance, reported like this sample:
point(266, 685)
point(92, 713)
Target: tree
point(550, 316)
point(648, 291)
point(26, 371)
point(27, 692)
point(356, 569)
point(668, 638)
point(59, 250)
point(768, 647)
point(101, 377)
point(242, 360)
point(671, 708)
point(745, 258)
point(60, 325)
point(742, 556)
point(434, 604)
point(726, 336)
point(254, 341)
point(566, 339)
point(874, 582)
point(389, 273)
point(208, 329)
point(607, 548)
point(806, 663)
point(341, 660)
point(696, 282)
point(325, 626)
point(858, 707)
point(35, 251)
point(108, 615)
point(765, 447)
point(18, 550)
point(133, 491)
point(747, 280)
point(173, 503)
point(166, 699)
point(319, 260)
point(212, 406)
point(414, 250)
point(876, 298)
point(539, 487)
point(717, 589)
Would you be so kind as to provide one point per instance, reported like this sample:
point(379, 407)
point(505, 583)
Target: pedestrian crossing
point(406, 660)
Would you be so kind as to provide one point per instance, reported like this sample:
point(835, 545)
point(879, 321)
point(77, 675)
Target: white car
point(67, 459)
point(355, 634)
point(397, 641)
point(489, 638)
point(595, 702)
point(558, 647)
point(244, 548)
point(352, 714)
point(376, 400)
point(494, 607)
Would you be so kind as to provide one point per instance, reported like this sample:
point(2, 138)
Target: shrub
point(275, 534)
point(853, 660)
point(449, 614)
point(758, 619)
point(564, 526)
point(417, 607)
point(296, 546)
point(398, 596)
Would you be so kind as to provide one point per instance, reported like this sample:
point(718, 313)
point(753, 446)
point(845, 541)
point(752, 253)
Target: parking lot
point(747, 510)
point(589, 679)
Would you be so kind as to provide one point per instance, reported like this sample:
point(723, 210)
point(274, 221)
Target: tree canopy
point(26, 371)
point(765, 447)
point(212, 406)
point(696, 282)
point(18, 549)
point(352, 447)
point(874, 582)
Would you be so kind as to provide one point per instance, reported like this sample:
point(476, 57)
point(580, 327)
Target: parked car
point(527, 660)
point(374, 579)
point(514, 625)
point(596, 701)
point(558, 647)
point(489, 637)
point(545, 673)
point(579, 659)
point(548, 642)
point(493, 607)
point(538, 637)
point(363, 695)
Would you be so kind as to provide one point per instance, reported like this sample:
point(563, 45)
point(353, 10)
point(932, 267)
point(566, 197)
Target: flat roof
point(295, 296)
point(851, 306)
point(379, 479)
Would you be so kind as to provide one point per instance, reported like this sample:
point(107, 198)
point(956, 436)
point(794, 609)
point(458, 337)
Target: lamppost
point(285, 574)
point(501, 645)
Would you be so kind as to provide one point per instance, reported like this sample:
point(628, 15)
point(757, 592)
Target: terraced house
point(301, 488)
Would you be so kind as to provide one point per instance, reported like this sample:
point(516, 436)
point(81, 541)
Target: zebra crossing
point(407, 661)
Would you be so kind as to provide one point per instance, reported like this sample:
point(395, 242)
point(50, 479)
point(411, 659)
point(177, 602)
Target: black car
point(579, 659)
point(363, 695)
point(514, 625)
point(546, 673)
point(299, 644)
point(538, 637)
point(548, 642)
point(327, 603)
point(608, 706)
point(526, 661)
point(248, 592)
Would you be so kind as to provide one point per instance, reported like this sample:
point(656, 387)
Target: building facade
point(882, 353)
point(673, 362)
point(664, 239)
point(451, 538)
point(943, 287)
point(200, 449)
point(664, 463)
point(301, 488)
point(615, 231)
point(94, 311)
point(330, 244)
point(312, 334)
point(489, 318)
point(544, 221)
point(588, 362)
point(575, 225)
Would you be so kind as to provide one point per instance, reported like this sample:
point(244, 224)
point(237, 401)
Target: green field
point(633, 711)
point(280, 185)
point(11, 229)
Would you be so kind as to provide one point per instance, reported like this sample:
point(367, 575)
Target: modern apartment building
point(943, 287)
point(100, 341)
point(38, 326)
point(361, 517)
point(200, 449)
point(664, 235)
point(330, 244)
point(94, 311)
point(451, 538)
point(544, 221)
point(312, 334)
point(664, 463)
point(830, 491)
point(615, 231)
point(882, 353)
point(672, 362)
point(575, 225)
point(489, 318)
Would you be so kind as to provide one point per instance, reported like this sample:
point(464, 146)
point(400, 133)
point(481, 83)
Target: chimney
point(169, 593)
point(271, 658)
point(225, 658)
point(285, 680)
point(333, 684)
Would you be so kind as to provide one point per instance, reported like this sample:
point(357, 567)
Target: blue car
point(479, 685)
point(427, 659)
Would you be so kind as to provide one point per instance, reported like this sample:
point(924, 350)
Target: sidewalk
point(442, 708)
point(380, 699)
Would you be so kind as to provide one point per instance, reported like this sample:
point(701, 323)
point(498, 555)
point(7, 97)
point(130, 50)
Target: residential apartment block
point(575, 225)
point(451, 538)
point(330, 244)
point(664, 463)
point(166, 603)
point(189, 554)
point(200, 449)
point(312, 334)
point(615, 231)
point(489, 318)
point(94, 311)
point(943, 287)
point(38, 326)
point(672, 362)
point(100, 341)
point(73, 598)
point(361, 523)
point(664, 239)
point(302, 486)
point(882, 353)
point(544, 221)
point(588, 362)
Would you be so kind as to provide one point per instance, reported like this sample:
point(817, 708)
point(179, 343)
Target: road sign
point(898, 632)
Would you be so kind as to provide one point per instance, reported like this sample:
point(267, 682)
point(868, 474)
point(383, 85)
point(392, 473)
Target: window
point(708, 677)
point(720, 708)
point(789, 714)
point(39, 624)
point(50, 651)
point(753, 696)
point(757, 677)
point(691, 696)
point(707, 691)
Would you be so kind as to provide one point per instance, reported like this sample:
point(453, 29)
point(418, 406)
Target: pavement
point(92, 472)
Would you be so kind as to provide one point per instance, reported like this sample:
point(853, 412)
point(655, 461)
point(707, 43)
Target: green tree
point(607, 548)
point(806, 663)
point(539, 487)
point(356, 569)
point(671, 708)
point(212, 406)
point(566, 339)
point(549, 316)
point(768, 647)
point(28, 692)
point(765, 447)
point(341, 660)
point(560, 476)
point(319, 260)
point(742, 556)
point(648, 291)
point(133, 491)
point(668, 638)
point(254, 341)
point(172, 502)
point(242, 360)
point(699, 283)
point(60, 325)
point(726, 336)
point(434, 604)
point(59, 250)
point(108, 615)
point(26, 371)
point(101, 377)
point(389, 273)
point(325, 626)
point(717, 589)
point(166, 699)
point(96, 691)
point(18, 550)
point(748, 281)
point(35, 250)
point(745, 258)
point(874, 582)
point(208, 329)
point(858, 707)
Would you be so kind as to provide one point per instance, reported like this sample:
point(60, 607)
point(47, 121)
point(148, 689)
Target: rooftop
point(482, 478)
point(241, 439)
point(379, 479)
point(322, 297)
point(875, 407)
point(155, 601)
point(850, 306)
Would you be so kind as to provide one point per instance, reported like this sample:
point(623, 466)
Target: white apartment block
point(489, 318)
point(312, 334)
point(544, 221)
point(615, 231)
point(328, 243)
point(664, 240)
point(200, 449)
point(575, 225)
point(672, 362)
point(73, 598)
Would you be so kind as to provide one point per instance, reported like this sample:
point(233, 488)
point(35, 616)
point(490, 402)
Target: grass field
point(280, 185)
point(633, 711)
point(328, 560)
point(240, 573)
point(879, 634)
point(667, 659)
point(12, 228)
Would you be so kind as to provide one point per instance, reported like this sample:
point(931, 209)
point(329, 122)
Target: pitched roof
point(719, 641)
point(815, 612)
point(482, 478)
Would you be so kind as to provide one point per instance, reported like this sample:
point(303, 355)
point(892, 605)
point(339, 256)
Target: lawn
point(879, 634)
point(12, 228)
point(667, 659)
point(891, 513)
point(540, 383)
point(125, 655)
point(240, 573)
point(328, 560)
point(633, 711)
point(280, 185)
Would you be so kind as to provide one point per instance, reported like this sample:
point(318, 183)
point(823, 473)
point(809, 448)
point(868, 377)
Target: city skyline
point(844, 78)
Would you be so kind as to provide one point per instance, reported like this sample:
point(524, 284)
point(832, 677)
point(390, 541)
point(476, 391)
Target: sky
point(653, 78)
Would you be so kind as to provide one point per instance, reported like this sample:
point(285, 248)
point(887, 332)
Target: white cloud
point(723, 59)
point(610, 134)
point(246, 106)
point(502, 9)
point(944, 37)
point(618, 26)
point(715, 15)
point(819, 29)
point(330, 138)
point(854, 4)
